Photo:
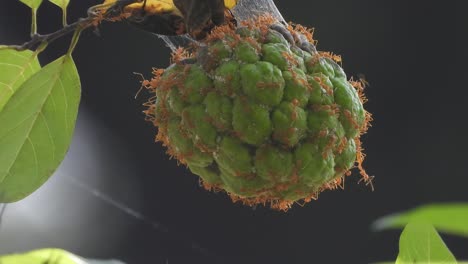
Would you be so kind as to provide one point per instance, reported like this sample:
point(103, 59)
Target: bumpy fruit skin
point(258, 112)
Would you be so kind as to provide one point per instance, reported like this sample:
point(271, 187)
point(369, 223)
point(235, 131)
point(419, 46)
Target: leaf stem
point(74, 41)
point(64, 17)
point(34, 22)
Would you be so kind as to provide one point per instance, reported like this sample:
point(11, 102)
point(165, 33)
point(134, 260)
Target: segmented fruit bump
point(256, 111)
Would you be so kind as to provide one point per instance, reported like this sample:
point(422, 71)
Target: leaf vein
point(35, 156)
point(50, 135)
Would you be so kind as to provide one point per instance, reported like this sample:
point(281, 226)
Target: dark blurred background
point(118, 195)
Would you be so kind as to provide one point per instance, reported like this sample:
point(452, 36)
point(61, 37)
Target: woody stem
point(80, 24)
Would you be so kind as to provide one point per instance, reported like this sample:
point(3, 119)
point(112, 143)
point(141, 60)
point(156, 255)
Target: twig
point(94, 15)
point(38, 39)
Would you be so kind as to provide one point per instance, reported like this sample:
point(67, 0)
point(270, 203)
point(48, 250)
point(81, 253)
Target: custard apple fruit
point(257, 112)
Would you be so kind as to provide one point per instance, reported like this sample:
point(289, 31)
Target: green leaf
point(15, 68)
point(60, 3)
point(420, 243)
point(393, 262)
point(36, 128)
point(52, 256)
point(41, 256)
point(34, 4)
point(447, 218)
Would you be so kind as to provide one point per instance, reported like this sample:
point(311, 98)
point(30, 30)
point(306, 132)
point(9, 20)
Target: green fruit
point(260, 114)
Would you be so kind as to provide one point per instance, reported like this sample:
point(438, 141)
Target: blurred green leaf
point(447, 218)
point(15, 68)
point(41, 256)
point(34, 4)
point(393, 262)
point(420, 243)
point(36, 128)
point(50, 256)
point(60, 3)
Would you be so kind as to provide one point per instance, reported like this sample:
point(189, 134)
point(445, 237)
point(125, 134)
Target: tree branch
point(95, 15)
